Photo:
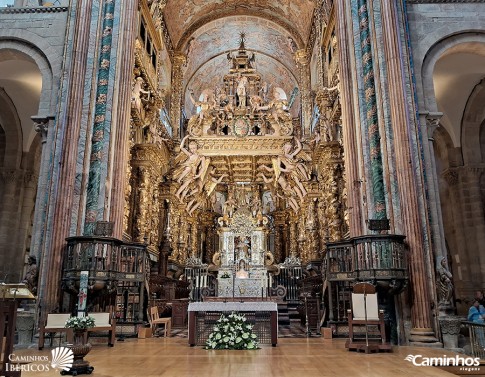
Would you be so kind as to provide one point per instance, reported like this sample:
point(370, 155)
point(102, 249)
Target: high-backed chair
point(104, 322)
point(365, 315)
point(54, 324)
point(155, 321)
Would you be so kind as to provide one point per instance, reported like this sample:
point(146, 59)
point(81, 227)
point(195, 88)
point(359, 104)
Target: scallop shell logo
point(62, 358)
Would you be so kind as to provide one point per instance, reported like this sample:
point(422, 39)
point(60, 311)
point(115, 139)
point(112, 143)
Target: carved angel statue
point(204, 190)
point(281, 189)
point(194, 167)
point(278, 109)
point(199, 124)
point(294, 169)
point(136, 94)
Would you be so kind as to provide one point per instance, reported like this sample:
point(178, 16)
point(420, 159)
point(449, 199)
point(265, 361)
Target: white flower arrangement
point(232, 332)
point(80, 323)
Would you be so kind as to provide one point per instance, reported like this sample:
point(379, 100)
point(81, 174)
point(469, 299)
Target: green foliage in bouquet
point(232, 332)
point(80, 323)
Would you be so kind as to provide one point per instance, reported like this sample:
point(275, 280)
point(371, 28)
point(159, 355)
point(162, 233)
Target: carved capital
point(432, 123)
point(41, 125)
point(10, 175)
point(450, 176)
point(450, 325)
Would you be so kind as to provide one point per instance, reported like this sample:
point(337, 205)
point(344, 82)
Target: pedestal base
point(74, 371)
point(368, 348)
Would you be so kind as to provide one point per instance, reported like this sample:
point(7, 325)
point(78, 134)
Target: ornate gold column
point(302, 58)
point(293, 236)
point(179, 60)
point(421, 315)
point(353, 179)
point(141, 209)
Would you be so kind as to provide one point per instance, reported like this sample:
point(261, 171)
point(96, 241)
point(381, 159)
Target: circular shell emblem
point(241, 127)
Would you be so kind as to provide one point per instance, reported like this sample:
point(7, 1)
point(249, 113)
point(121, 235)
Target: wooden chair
point(54, 324)
point(155, 321)
point(365, 313)
point(104, 322)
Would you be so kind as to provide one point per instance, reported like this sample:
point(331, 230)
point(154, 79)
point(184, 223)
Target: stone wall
point(434, 28)
point(39, 33)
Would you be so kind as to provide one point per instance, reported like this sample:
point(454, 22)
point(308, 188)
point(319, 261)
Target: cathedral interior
point(187, 151)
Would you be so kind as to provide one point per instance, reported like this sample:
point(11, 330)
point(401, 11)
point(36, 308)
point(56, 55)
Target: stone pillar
point(41, 125)
point(302, 58)
point(11, 260)
point(121, 117)
point(473, 215)
point(429, 123)
point(421, 315)
point(378, 203)
point(60, 211)
point(179, 61)
point(98, 186)
point(353, 179)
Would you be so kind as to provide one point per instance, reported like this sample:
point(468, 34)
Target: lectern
point(10, 295)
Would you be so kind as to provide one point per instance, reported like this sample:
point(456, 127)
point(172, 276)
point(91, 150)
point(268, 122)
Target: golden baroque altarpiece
point(245, 161)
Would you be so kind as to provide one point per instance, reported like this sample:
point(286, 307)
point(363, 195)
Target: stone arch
point(472, 129)
point(435, 52)
point(38, 54)
point(10, 123)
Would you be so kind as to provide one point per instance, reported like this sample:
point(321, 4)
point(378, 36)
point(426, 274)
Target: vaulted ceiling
point(206, 30)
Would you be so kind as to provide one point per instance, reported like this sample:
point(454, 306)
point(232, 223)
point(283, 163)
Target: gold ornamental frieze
point(328, 153)
point(237, 146)
point(150, 155)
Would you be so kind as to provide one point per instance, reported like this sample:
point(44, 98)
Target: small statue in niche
point(136, 94)
point(445, 284)
point(199, 124)
point(31, 276)
point(242, 82)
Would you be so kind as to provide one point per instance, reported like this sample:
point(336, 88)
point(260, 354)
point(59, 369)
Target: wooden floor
point(299, 357)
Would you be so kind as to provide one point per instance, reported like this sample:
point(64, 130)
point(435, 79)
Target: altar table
point(204, 315)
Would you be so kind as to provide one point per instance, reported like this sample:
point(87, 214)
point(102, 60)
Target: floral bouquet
point(232, 332)
point(80, 323)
